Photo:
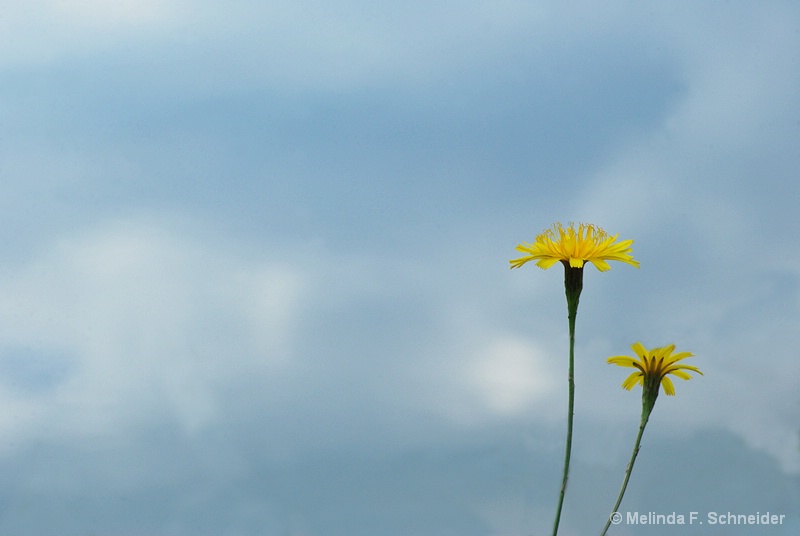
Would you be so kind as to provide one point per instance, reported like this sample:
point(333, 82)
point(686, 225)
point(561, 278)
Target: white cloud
point(510, 375)
point(105, 13)
point(356, 44)
point(42, 31)
point(700, 179)
point(152, 322)
point(736, 109)
point(486, 377)
point(280, 43)
point(740, 72)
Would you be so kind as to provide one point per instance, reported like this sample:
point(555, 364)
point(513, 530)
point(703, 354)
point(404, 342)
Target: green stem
point(647, 407)
point(573, 284)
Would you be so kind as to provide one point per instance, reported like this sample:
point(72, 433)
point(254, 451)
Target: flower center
point(587, 232)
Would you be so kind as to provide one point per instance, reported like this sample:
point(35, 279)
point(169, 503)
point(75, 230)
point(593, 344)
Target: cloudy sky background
point(255, 264)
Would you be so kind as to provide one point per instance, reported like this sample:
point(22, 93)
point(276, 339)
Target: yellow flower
point(653, 366)
point(588, 243)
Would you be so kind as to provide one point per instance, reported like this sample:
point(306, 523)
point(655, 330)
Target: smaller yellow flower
point(653, 367)
point(574, 247)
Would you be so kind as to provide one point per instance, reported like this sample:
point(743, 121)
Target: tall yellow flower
point(587, 243)
point(573, 247)
point(653, 367)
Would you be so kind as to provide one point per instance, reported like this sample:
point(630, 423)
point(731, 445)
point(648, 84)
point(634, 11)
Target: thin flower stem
point(570, 415)
point(573, 283)
point(645, 417)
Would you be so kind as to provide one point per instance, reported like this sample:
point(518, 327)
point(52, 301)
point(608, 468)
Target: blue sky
point(255, 274)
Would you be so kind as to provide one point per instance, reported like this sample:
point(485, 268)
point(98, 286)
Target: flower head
point(574, 247)
point(653, 366)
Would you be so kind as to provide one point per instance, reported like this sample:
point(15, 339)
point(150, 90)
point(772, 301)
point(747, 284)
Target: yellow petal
point(668, 387)
point(516, 263)
point(680, 374)
point(544, 264)
point(632, 380)
point(680, 356)
point(624, 361)
point(639, 349)
point(600, 264)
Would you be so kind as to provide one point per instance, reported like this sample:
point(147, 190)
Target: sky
point(254, 275)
